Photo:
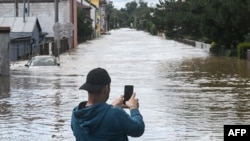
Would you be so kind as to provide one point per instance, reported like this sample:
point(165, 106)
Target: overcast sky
point(121, 3)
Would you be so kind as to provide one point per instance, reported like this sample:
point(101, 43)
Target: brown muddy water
point(185, 93)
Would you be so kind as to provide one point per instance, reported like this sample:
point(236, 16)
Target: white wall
point(102, 20)
point(93, 16)
point(202, 45)
point(7, 9)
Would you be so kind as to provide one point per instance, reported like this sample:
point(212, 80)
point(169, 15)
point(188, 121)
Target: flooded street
point(184, 92)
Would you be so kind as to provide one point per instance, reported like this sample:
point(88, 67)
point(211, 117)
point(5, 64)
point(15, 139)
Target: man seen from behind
point(95, 120)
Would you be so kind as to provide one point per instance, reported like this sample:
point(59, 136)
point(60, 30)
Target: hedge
point(242, 50)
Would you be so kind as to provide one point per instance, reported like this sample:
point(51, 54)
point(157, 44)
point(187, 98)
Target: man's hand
point(119, 102)
point(132, 103)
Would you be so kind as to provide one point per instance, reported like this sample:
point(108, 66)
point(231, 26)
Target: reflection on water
point(185, 94)
point(4, 93)
point(4, 87)
point(227, 77)
point(207, 93)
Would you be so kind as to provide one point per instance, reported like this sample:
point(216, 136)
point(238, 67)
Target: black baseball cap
point(96, 79)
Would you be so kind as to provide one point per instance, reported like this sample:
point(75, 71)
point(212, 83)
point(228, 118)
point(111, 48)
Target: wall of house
point(93, 16)
point(103, 19)
point(4, 51)
point(7, 9)
point(46, 15)
point(97, 17)
point(19, 49)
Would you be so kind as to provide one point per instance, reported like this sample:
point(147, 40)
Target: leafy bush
point(149, 24)
point(242, 50)
point(84, 26)
point(222, 51)
point(153, 30)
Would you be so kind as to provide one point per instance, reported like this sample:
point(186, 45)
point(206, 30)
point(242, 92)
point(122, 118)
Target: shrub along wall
point(242, 50)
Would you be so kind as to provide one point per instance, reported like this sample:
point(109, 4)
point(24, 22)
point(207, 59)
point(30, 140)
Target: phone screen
point(128, 91)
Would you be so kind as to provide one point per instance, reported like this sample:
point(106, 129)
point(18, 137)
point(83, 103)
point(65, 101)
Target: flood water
point(184, 92)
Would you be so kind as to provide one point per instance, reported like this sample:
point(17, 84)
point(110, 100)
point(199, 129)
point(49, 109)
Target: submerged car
point(43, 60)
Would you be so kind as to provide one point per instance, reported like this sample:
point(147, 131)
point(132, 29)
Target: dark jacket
point(103, 122)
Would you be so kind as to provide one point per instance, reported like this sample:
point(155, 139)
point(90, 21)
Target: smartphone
point(128, 91)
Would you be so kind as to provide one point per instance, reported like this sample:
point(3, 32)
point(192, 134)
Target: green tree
point(143, 15)
point(136, 13)
point(223, 22)
point(84, 27)
point(166, 18)
point(226, 22)
point(191, 19)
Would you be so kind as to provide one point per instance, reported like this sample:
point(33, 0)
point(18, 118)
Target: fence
point(50, 48)
point(196, 44)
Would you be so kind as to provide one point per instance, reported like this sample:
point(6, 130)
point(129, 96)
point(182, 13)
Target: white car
point(43, 60)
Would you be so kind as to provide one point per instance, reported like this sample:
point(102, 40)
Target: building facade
point(25, 36)
point(45, 11)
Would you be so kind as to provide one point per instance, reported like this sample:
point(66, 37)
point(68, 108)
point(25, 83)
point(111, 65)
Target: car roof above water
point(44, 56)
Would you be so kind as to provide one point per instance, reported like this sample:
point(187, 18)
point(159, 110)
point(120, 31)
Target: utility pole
point(28, 8)
point(114, 21)
point(24, 10)
point(56, 11)
point(16, 7)
point(57, 23)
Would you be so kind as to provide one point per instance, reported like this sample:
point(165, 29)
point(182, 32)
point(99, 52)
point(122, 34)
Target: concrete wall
point(4, 51)
point(46, 14)
point(203, 46)
point(103, 19)
point(93, 17)
point(7, 9)
point(196, 44)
